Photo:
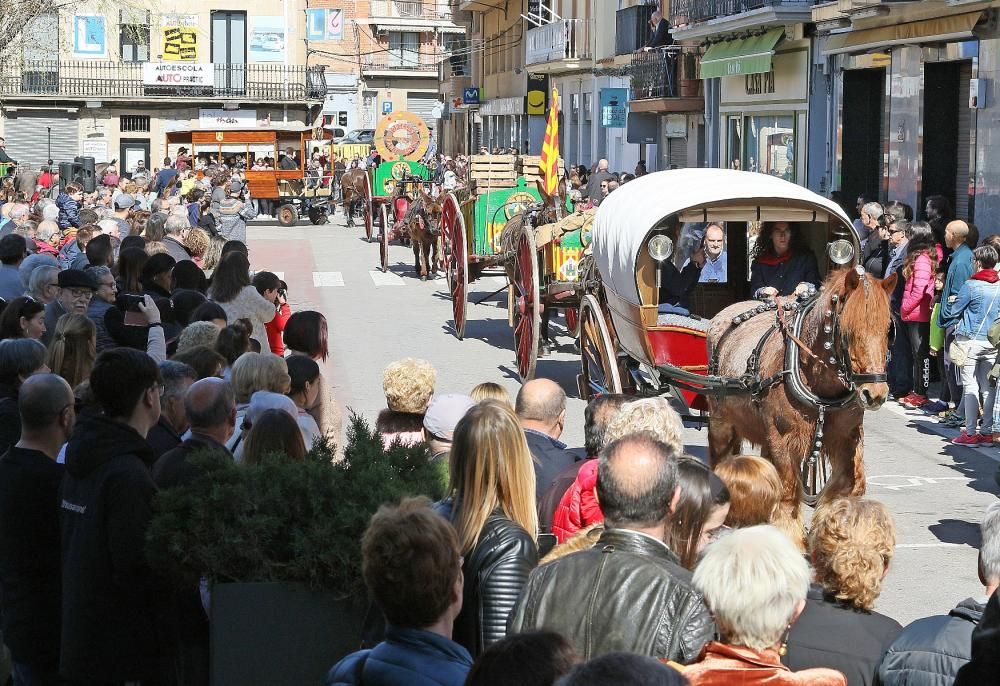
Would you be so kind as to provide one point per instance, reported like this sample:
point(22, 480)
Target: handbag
point(958, 351)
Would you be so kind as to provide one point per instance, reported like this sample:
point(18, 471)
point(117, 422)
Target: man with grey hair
point(541, 409)
point(43, 284)
point(177, 378)
point(110, 227)
point(19, 214)
point(103, 300)
point(210, 405)
point(596, 179)
point(175, 229)
point(932, 650)
point(629, 592)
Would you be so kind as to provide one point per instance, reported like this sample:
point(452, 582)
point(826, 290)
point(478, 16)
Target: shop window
point(769, 145)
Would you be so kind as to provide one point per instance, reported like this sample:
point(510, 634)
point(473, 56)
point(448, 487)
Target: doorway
point(229, 51)
point(133, 150)
point(941, 152)
point(861, 162)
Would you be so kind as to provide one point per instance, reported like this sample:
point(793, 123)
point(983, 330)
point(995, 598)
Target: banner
point(548, 166)
point(315, 24)
point(90, 36)
point(227, 119)
point(614, 107)
point(538, 90)
point(180, 38)
point(335, 24)
point(267, 39)
point(177, 74)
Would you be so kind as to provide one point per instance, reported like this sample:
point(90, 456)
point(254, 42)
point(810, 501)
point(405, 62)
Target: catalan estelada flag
point(549, 164)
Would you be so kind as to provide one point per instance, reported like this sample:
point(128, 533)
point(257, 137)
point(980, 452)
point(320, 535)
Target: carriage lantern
point(840, 251)
point(660, 247)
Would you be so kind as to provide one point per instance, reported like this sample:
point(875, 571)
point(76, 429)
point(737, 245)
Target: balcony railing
point(669, 72)
point(400, 61)
point(684, 12)
point(565, 39)
point(632, 29)
point(415, 9)
point(96, 79)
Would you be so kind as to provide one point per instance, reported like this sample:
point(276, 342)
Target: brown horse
point(423, 222)
point(848, 324)
point(353, 186)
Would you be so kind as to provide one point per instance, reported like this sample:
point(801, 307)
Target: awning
point(953, 28)
point(742, 56)
point(417, 24)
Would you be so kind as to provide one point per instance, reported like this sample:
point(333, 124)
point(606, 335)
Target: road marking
point(324, 279)
point(896, 482)
point(280, 275)
point(932, 545)
point(380, 278)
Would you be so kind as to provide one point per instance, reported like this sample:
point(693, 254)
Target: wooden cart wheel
point(449, 209)
point(457, 256)
point(368, 209)
point(814, 474)
point(527, 305)
point(383, 237)
point(599, 365)
point(572, 321)
point(287, 216)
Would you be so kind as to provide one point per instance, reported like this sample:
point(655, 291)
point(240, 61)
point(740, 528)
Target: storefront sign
point(180, 38)
point(787, 81)
point(178, 74)
point(537, 97)
point(759, 84)
point(502, 106)
point(614, 107)
point(96, 148)
point(227, 119)
point(675, 126)
point(470, 96)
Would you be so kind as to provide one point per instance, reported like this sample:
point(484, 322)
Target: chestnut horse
point(353, 186)
point(423, 222)
point(844, 341)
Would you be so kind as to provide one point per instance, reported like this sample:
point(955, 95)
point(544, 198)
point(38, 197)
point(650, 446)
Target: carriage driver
point(782, 263)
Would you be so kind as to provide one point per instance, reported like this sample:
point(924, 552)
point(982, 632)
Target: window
point(134, 123)
point(404, 49)
point(769, 145)
point(41, 45)
point(133, 35)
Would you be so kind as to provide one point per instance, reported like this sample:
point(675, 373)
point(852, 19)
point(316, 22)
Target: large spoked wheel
point(287, 216)
point(383, 237)
point(599, 365)
point(527, 308)
point(572, 321)
point(456, 255)
point(814, 474)
point(368, 209)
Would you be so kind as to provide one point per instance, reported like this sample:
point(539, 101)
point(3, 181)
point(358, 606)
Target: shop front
point(505, 124)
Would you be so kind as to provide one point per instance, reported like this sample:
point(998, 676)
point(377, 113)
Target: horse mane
point(863, 313)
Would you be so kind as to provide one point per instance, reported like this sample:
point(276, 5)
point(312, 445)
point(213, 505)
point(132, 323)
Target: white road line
point(325, 279)
point(380, 278)
point(932, 545)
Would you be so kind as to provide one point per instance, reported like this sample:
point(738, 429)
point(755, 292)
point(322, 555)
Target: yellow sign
point(180, 43)
point(401, 136)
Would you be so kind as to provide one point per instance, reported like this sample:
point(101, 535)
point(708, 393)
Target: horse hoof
point(423, 278)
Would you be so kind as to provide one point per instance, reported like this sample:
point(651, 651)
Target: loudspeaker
point(84, 173)
point(66, 170)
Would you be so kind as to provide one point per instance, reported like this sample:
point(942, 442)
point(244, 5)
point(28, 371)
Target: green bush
point(286, 521)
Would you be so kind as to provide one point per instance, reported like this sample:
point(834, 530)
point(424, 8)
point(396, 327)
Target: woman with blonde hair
point(198, 242)
point(493, 509)
point(73, 348)
point(489, 390)
point(755, 492)
point(254, 372)
point(408, 385)
point(851, 543)
point(651, 415)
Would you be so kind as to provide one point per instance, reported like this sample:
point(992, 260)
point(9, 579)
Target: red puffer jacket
point(578, 507)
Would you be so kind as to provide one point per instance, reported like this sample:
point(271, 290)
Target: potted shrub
point(279, 545)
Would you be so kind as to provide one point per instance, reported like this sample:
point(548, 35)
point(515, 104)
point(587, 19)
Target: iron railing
point(689, 11)
point(632, 30)
point(404, 60)
point(409, 8)
point(101, 79)
point(668, 72)
point(564, 39)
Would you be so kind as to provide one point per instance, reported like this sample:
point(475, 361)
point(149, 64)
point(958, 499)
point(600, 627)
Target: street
point(936, 491)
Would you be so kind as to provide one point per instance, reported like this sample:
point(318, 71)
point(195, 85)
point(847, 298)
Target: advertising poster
point(267, 39)
point(538, 94)
point(334, 24)
point(180, 38)
point(614, 107)
point(90, 36)
point(315, 24)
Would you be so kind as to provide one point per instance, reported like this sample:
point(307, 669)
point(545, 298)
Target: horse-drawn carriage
point(792, 375)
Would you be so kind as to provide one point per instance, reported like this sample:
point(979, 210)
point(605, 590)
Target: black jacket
point(162, 438)
point(173, 469)
point(551, 458)
point(985, 663)
point(876, 256)
point(10, 418)
point(785, 276)
point(930, 651)
point(676, 284)
point(495, 572)
point(627, 593)
point(831, 634)
point(109, 631)
point(30, 575)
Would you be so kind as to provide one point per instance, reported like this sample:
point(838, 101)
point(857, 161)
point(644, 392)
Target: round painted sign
point(401, 136)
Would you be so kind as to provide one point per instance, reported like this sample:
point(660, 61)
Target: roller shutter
point(962, 147)
point(27, 135)
point(677, 153)
point(423, 104)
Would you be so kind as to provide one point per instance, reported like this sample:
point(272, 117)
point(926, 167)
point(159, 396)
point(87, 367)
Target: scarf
point(774, 260)
point(987, 275)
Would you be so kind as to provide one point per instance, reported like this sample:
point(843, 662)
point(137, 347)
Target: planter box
point(280, 633)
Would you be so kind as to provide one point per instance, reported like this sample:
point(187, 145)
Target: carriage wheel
point(383, 237)
point(449, 209)
point(287, 216)
point(572, 321)
point(317, 216)
point(814, 476)
point(368, 209)
point(527, 305)
point(457, 269)
point(599, 367)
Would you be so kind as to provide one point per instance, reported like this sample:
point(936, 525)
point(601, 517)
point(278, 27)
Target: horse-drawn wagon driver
point(782, 263)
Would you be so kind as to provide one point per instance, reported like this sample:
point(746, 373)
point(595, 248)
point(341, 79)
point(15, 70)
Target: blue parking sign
point(387, 107)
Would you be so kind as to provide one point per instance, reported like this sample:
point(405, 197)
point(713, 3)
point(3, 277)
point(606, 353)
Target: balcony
point(125, 80)
point(632, 29)
point(566, 40)
point(412, 15)
point(840, 12)
point(405, 63)
point(698, 19)
point(667, 78)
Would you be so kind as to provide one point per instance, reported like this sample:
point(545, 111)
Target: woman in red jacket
point(273, 290)
point(922, 257)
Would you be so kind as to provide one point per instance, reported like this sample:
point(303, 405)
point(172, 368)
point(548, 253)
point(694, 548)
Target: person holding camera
point(275, 291)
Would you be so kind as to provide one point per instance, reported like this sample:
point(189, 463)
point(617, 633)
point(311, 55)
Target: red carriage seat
point(400, 207)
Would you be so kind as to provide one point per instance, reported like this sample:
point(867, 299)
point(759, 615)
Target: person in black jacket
point(177, 379)
point(493, 510)
point(541, 409)
point(30, 576)
point(19, 359)
point(852, 541)
point(985, 663)
point(932, 650)
point(782, 263)
point(110, 597)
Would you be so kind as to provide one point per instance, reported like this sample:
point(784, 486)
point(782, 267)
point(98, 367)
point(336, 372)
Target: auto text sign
point(614, 107)
point(177, 74)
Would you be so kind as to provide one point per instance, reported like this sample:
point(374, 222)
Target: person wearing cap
point(123, 204)
point(76, 288)
point(13, 250)
point(156, 275)
point(234, 214)
point(261, 402)
point(442, 416)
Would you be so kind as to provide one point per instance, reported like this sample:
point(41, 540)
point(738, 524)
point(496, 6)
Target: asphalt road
point(936, 491)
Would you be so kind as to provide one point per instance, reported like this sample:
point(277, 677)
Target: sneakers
point(914, 401)
point(965, 439)
point(935, 407)
point(985, 439)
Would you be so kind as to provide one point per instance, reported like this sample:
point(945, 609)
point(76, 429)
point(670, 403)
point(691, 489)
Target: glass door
point(229, 52)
